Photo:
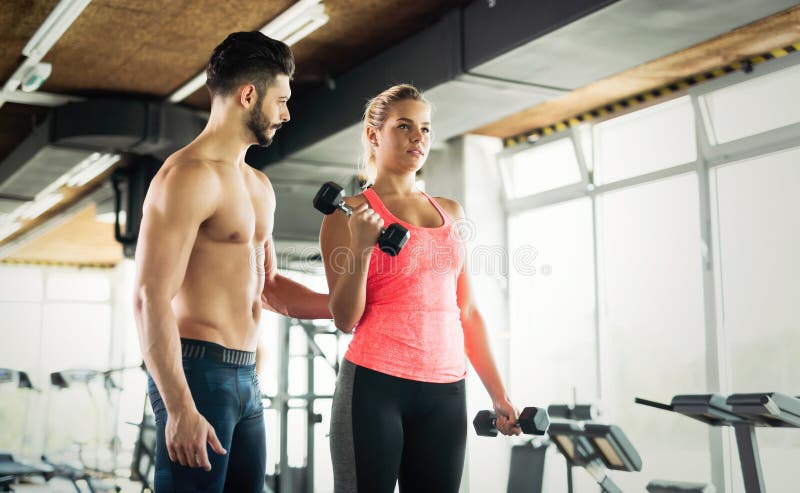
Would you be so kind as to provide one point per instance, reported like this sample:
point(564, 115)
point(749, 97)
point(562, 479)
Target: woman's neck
point(389, 184)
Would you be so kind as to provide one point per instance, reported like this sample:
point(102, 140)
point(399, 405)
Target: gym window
point(537, 169)
point(752, 107)
point(648, 140)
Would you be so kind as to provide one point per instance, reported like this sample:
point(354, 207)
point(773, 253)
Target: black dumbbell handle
point(494, 421)
point(345, 208)
point(349, 211)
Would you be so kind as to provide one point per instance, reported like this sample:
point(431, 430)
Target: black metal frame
point(742, 412)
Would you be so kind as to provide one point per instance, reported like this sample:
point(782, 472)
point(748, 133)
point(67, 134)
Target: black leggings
point(385, 429)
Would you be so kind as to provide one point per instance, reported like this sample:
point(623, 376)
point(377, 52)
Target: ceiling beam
point(774, 32)
point(463, 38)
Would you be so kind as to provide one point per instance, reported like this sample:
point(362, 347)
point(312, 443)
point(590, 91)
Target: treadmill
point(11, 469)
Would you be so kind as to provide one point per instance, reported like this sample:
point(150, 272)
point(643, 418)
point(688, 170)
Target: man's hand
point(187, 433)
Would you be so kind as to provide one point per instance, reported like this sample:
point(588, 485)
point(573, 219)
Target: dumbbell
point(532, 420)
point(331, 197)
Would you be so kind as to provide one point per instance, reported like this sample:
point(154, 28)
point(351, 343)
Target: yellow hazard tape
point(648, 96)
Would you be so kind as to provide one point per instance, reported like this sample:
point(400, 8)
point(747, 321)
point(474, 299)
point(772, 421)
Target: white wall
point(56, 319)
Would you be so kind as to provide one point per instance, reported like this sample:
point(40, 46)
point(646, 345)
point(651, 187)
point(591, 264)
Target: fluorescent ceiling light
point(293, 25)
point(8, 230)
point(53, 28)
point(35, 208)
point(305, 29)
point(35, 76)
point(40, 43)
point(189, 88)
point(82, 173)
point(85, 171)
point(90, 168)
point(297, 22)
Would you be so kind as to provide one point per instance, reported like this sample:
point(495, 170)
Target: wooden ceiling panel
point(356, 31)
point(19, 19)
point(150, 49)
point(81, 63)
point(80, 240)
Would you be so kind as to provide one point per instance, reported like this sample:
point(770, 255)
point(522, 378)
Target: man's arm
point(178, 201)
point(287, 297)
point(281, 294)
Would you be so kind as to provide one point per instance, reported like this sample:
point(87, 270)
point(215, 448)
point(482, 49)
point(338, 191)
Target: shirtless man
point(206, 268)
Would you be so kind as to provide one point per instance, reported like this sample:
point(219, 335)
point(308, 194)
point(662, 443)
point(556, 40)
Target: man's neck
point(224, 138)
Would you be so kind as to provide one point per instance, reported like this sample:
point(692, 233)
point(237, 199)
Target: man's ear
point(248, 95)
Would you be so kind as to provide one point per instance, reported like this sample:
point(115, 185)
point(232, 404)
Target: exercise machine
point(596, 448)
point(13, 470)
point(742, 412)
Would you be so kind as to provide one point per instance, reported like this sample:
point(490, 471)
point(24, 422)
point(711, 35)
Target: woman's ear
point(372, 136)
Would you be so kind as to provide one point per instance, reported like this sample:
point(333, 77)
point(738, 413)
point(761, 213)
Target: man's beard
point(259, 125)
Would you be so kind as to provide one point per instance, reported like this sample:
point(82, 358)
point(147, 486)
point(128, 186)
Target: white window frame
point(709, 156)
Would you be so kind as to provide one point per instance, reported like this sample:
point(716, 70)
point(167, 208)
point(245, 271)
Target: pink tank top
point(411, 326)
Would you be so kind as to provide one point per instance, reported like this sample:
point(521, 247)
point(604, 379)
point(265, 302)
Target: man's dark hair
point(247, 58)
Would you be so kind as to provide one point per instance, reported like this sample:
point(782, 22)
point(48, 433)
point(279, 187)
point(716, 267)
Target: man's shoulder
point(259, 175)
point(184, 175)
point(188, 166)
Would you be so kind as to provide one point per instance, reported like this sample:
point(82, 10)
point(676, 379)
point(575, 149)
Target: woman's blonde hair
point(375, 116)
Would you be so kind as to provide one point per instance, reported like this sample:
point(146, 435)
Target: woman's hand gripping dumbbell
point(532, 420)
point(331, 197)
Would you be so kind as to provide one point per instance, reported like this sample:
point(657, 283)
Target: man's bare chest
point(242, 215)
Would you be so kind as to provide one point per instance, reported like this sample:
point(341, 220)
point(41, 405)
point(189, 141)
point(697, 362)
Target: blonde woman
point(399, 411)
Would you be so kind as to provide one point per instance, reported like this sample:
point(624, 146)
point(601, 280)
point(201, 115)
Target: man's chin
point(264, 140)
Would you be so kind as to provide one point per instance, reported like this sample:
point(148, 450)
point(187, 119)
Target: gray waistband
point(194, 349)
